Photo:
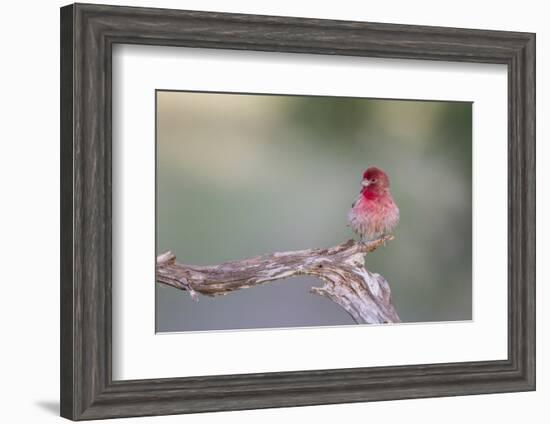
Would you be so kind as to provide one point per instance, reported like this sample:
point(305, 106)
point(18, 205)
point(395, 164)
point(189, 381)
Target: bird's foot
point(374, 240)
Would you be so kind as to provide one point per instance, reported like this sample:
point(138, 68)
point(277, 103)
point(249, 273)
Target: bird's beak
point(365, 183)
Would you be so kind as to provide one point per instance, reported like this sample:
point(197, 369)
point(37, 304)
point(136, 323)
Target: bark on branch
point(364, 295)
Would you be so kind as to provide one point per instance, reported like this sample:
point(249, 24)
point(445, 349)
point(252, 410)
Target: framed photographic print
point(263, 211)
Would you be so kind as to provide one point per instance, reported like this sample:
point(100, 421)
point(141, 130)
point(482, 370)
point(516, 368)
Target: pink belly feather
point(373, 217)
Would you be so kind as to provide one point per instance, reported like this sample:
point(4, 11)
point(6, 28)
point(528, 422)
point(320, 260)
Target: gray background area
point(241, 175)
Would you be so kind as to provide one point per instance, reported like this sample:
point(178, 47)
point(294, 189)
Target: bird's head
point(375, 181)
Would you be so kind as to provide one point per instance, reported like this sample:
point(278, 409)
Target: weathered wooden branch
point(364, 295)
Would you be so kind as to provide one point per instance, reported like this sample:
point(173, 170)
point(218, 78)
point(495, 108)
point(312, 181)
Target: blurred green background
point(240, 175)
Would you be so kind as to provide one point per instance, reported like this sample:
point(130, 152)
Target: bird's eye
point(373, 180)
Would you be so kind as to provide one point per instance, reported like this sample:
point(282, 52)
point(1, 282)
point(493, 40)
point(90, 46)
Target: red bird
point(374, 213)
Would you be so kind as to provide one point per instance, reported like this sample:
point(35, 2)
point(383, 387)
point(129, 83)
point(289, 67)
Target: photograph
point(281, 211)
point(263, 207)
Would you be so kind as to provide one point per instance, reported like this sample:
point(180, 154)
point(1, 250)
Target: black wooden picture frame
point(88, 33)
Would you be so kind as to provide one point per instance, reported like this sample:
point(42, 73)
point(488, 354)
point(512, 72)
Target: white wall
point(29, 170)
